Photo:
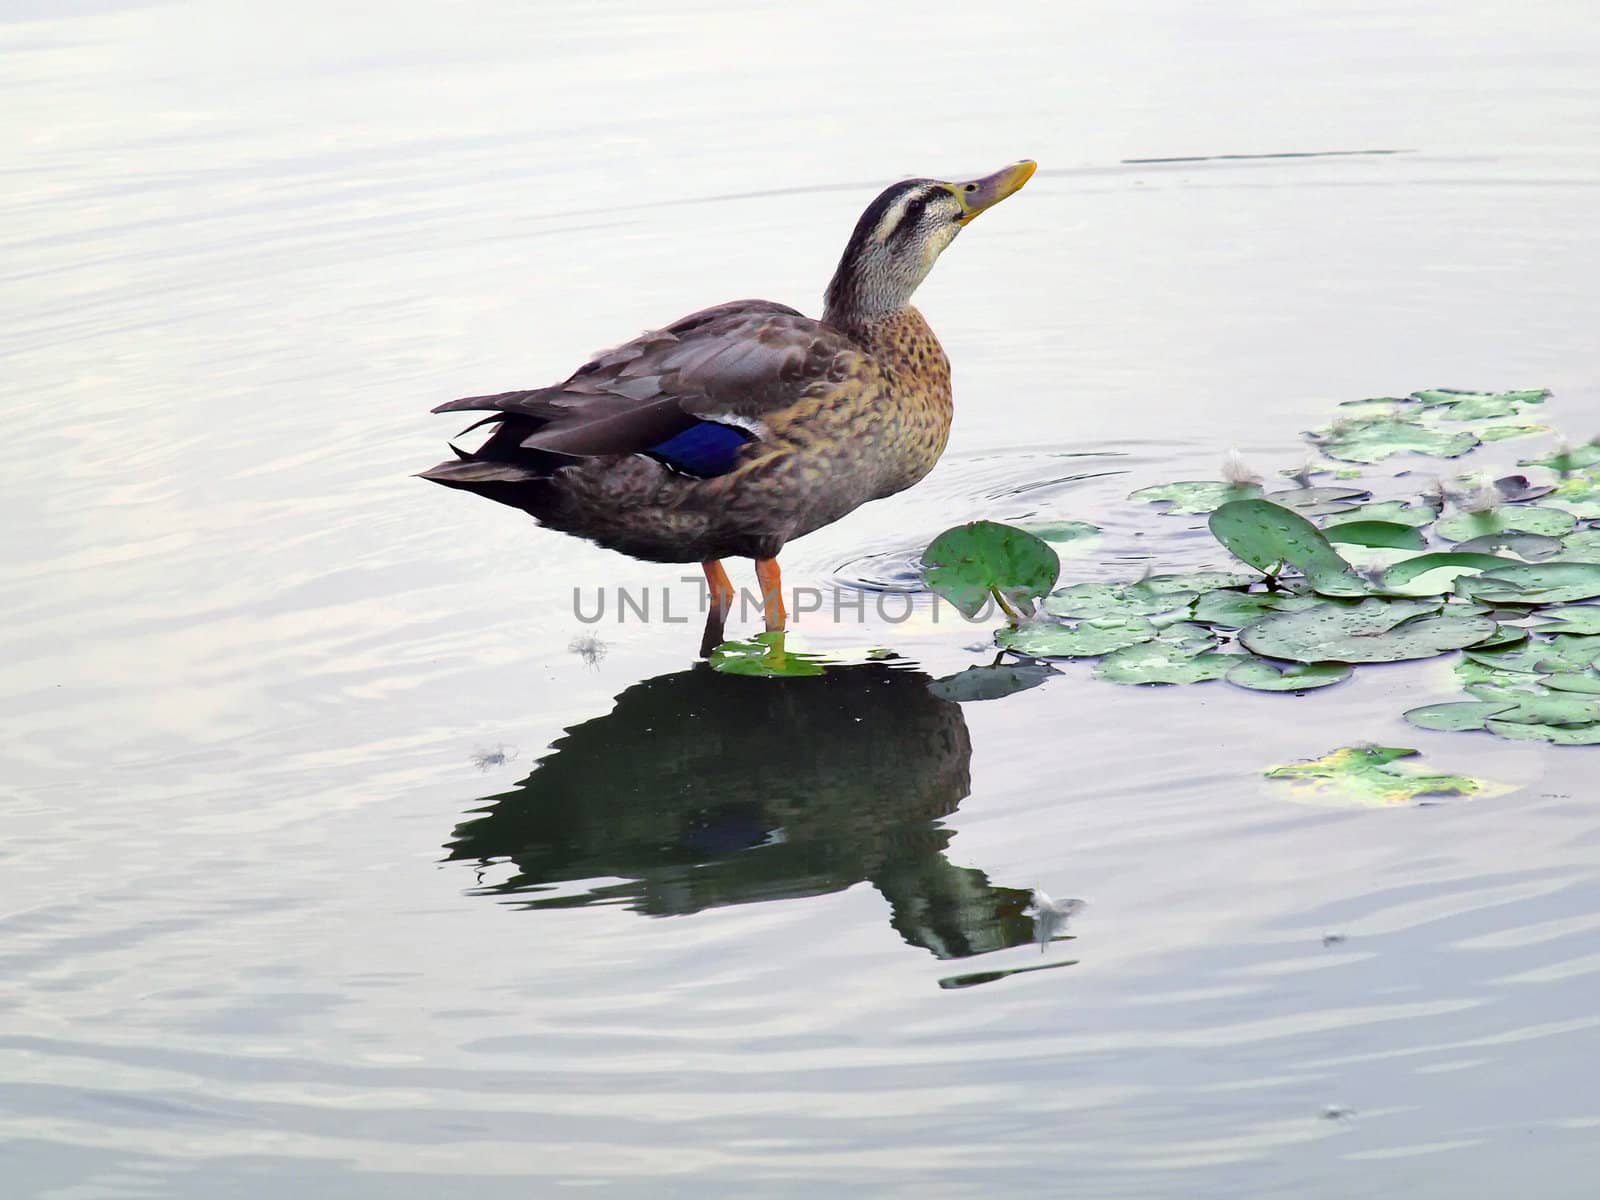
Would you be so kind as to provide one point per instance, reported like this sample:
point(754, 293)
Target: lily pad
point(1372, 631)
point(1584, 682)
point(1387, 535)
point(1106, 600)
point(1269, 537)
point(991, 682)
point(1583, 546)
point(1539, 583)
point(1261, 675)
point(1534, 547)
point(1473, 406)
point(1158, 662)
point(1235, 610)
point(1195, 495)
point(1570, 618)
point(763, 654)
point(971, 563)
point(1375, 439)
point(1196, 581)
point(1396, 511)
point(1373, 775)
point(1542, 656)
point(1514, 489)
point(1457, 715)
point(1319, 501)
point(1558, 735)
point(1568, 460)
point(1438, 571)
point(1086, 639)
point(1061, 533)
point(1578, 495)
point(1524, 519)
point(1504, 433)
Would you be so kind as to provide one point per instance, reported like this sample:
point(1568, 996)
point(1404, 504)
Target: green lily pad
point(1566, 709)
point(1434, 574)
point(1504, 433)
point(1195, 495)
point(1542, 656)
point(1061, 533)
point(1539, 583)
point(1319, 501)
point(1457, 715)
point(764, 654)
point(971, 563)
point(991, 682)
point(1373, 775)
point(1569, 618)
point(1235, 610)
point(1473, 406)
point(1534, 547)
point(1269, 536)
point(1106, 600)
point(1524, 519)
point(1585, 682)
point(1565, 462)
point(1375, 439)
point(1504, 635)
point(1578, 495)
point(1158, 662)
point(1372, 631)
point(1387, 535)
point(1196, 581)
point(1261, 675)
point(1394, 511)
point(1583, 546)
point(1086, 639)
point(1558, 735)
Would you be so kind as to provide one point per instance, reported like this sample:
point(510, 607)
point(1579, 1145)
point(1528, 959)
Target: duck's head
point(902, 233)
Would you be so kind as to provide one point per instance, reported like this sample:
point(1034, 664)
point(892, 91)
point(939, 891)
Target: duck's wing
point(724, 367)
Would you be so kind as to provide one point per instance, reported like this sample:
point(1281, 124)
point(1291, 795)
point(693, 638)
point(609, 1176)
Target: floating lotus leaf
point(1195, 495)
point(1235, 610)
point(1373, 775)
point(1386, 535)
point(1559, 735)
point(1159, 662)
point(1565, 462)
point(1196, 581)
point(1473, 406)
point(1375, 406)
point(1462, 526)
point(1434, 574)
point(763, 654)
point(1538, 583)
point(1186, 637)
point(1579, 495)
point(970, 563)
point(1586, 682)
point(1542, 656)
point(1319, 501)
point(1534, 547)
point(1086, 639)
point(1269, 536)
point(1113, 600)
point(1061, 533)
point(1457, 715)
point(1375, 439)
point(1573, 618)
point(991, 682)
point(1372, 631)
point(1396, 511)
point(1504, 635)
point(1261, 675)
point(1504, 433)
point(1583, 546)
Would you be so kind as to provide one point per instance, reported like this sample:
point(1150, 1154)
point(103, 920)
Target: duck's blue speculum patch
point(705, 448)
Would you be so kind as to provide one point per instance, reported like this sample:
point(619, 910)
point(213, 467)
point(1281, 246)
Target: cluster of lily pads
point(1339, 580)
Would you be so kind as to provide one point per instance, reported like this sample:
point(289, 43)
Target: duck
point(737, 429)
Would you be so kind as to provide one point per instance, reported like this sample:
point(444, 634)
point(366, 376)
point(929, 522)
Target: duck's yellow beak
point(985, 193)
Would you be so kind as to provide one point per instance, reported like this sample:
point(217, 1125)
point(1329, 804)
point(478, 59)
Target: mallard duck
point(738, 428)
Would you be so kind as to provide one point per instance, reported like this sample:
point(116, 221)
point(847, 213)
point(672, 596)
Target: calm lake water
point(284, 912)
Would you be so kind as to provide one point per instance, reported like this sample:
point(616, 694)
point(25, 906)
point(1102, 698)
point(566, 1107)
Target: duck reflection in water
point(701, 789)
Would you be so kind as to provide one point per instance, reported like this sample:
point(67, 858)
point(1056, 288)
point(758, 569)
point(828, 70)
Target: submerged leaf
point(1373, 775)
point(991, 682)
point(1262, 675)
point(1372, 631)
point(970, 563)
point(1061, 533)
point(1195, 495)
point(1269, 536)
point(763, 654)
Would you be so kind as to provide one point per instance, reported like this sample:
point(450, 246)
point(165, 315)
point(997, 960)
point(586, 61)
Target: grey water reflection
point(701, 789)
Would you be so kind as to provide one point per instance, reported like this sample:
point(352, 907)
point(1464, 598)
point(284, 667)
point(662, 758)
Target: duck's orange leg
point(771, 581)
point(721, 587)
